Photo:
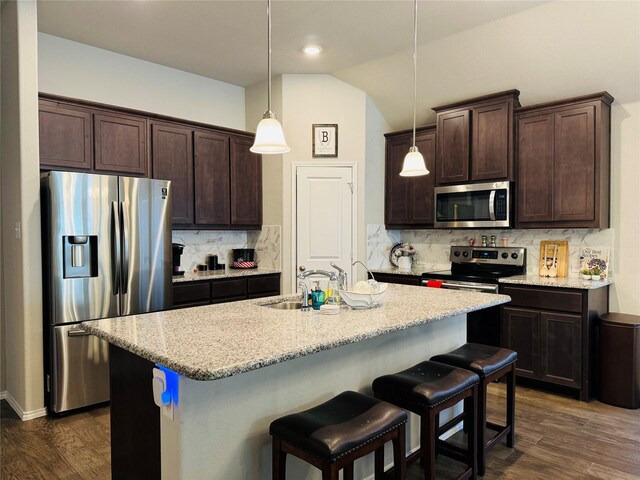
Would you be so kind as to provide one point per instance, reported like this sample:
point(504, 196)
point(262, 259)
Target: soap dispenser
point(317, 296)
point(333, 292)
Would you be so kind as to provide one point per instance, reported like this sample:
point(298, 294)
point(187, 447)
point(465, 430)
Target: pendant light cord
point(415, 63)
point(269, 56)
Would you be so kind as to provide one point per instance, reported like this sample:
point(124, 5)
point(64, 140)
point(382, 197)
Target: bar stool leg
point(330, 471)
point(511, 403)
point(378, 456)
point(399, 454)
point(481, 429)
point(428, 431)
point(471, 412)
point(347, 472)
point(278, 460)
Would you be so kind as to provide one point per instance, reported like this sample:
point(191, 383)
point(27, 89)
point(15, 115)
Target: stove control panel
point(516, 256)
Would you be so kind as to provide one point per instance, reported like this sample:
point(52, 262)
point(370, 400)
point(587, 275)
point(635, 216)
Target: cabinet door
point(172, 159)
point(453, 147)
point(521, 333)
point(397, 211)
point(535, 168)
point(560, 348)
point(491, 131)
point(246, 183)
point(574, 164)
point(211, 178)
point(421, 195)
point(66, 139)
point(120, 144)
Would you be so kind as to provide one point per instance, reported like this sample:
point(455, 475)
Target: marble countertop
point(228, 273)
point(560, 282)
point(417, 271)
point(217, 341)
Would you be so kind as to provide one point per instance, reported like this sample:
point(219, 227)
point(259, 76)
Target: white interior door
point(325, 219)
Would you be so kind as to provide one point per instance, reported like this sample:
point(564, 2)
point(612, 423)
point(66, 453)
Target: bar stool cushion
point(424, 385)
point(481, 359)
point(338, 426)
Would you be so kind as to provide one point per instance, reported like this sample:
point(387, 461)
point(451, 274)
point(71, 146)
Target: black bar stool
point(427, 389)
point(332, 435)
point(489, 363)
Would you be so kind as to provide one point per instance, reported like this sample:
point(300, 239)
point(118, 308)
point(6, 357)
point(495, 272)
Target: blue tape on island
point(172, 384)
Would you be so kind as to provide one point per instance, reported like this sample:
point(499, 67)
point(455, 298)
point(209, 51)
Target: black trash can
point(620, 360)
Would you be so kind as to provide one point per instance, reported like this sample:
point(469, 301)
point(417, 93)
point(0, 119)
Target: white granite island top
point(217, 341)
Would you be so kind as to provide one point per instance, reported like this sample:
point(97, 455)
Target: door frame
point(294, 213)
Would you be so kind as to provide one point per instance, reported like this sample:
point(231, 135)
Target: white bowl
point(363, 300)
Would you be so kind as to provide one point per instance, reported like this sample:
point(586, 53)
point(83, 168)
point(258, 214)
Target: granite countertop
point(560, 282)
point(216, 341)
point(228, 273)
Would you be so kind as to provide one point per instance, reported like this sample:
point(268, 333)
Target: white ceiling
point(226, 40)
point(547, 50)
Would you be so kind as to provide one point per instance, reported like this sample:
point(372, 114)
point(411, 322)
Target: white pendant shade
point(269, 138)
point(413, 165)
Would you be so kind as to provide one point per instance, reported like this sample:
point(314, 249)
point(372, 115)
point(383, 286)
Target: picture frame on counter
point(325, 140)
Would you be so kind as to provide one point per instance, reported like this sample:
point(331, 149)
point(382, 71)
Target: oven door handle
point(485, 288)
point(492, 205)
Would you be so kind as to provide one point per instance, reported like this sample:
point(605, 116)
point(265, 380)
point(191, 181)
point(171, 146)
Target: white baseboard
point(30, 415)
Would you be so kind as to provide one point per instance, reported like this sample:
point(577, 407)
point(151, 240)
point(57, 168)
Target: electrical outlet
point(18, 230)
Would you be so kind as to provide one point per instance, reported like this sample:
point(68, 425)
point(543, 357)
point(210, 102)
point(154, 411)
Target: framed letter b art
point(325, 140)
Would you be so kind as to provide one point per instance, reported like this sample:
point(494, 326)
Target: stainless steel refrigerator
point(106, 253)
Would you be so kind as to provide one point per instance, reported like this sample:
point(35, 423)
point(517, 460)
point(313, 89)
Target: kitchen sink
point(289, 305)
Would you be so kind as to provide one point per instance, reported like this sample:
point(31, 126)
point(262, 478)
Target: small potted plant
point(586, 274)
point(595, 273)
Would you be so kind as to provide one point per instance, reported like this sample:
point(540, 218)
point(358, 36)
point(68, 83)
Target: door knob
point(302, 268)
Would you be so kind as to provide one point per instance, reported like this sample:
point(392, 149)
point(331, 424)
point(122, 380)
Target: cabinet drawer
point(545, 298)
point(192, 293)
point(232, 289)
point(259, 286)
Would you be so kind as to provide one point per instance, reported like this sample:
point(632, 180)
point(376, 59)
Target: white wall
point(625, 214)
point(375, 146)
point(21, 262)
point(81, 71)
point(309, 99)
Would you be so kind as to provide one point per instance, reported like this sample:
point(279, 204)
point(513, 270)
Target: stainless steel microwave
point(477, 205)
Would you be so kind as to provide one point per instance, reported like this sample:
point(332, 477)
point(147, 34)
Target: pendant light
point(413, 165)
point(269, 135)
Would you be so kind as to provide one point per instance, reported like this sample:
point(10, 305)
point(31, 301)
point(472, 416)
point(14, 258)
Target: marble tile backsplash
point(432, 246)
point(200, 243)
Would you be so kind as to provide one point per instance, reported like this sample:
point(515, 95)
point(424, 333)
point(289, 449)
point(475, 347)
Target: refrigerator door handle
point(116, 245)
point(125, 247)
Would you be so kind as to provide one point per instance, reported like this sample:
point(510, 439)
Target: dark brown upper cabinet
point(172, 159)
point(476, 139)
point(66, 136)
point(564, 163)
point(120, 144)
point(409, 200)
point(246, 183)
point(211, 166)
point(216, 182)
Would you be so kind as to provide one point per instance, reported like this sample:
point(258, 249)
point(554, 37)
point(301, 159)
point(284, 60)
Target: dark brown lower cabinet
point(403, 279)
point(553, 331)
point(135, 418)
point(206, 291)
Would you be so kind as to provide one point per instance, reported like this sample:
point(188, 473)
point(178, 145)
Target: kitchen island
point(242, 364)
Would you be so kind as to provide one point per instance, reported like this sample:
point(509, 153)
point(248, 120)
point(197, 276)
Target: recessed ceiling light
point(311, 49)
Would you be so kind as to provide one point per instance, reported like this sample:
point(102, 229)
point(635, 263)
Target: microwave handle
point(492, 205)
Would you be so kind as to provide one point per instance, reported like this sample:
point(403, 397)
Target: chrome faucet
point(304, 299)
point(304, 273)
point(342, 276)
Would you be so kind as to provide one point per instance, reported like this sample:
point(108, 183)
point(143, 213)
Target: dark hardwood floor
point(557, 438)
